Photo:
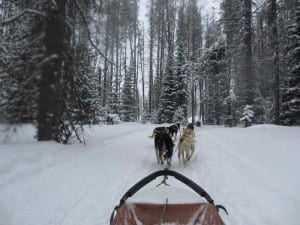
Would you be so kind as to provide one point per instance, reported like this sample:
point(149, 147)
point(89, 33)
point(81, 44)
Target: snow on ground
point(253, 172)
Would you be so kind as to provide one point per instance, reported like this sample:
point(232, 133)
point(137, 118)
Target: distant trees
point(290, 113)
point(128, 102)
point(248, 79)
point(273, 36)
point(275, 19)
point(167, 98)
point(216, 84)
point(57, 72)
point(64, 64)
point(172, 57)
point(257, 68)
point(180, 65)
point(151, 49)
point(21, 52)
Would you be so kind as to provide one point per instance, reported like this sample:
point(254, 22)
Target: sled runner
point(167, 204)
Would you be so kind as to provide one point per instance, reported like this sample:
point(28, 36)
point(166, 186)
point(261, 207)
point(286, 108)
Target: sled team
point(164, 145)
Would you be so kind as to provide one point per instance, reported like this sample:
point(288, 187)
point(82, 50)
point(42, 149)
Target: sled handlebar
point(166, 172)
point(159, 173)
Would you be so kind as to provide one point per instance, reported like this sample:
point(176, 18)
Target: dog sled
point(166, 204)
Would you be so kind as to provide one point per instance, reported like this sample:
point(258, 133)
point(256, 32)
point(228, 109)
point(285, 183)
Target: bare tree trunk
point(275, 65)
point(248, 53)
point(142, 56)
point(116, 90)
point(201, 105)
point(49, 103)
point(111, 75)
point(105, 74)
point(151, 60)
point(161, 61)
point(136, 77)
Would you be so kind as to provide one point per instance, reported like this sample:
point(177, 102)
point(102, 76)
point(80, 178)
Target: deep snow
point(254, 172)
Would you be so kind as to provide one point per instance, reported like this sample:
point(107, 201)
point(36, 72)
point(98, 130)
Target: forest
point(65, 64)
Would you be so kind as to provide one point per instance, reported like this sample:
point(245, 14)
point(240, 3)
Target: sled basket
point(167, 205)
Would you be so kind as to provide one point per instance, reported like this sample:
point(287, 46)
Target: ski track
point(23, 167)
point(91, 208)
point(209, 177)
point(19, 166)
point(244, 175)
point(221, 152)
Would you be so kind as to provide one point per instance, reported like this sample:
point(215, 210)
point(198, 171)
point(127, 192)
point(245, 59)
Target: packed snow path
point(252, 171)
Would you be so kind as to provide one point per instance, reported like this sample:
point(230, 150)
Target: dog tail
point(152, 136)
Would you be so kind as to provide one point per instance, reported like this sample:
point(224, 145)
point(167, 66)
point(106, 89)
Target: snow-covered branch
point(25, 11)
point(89, 34)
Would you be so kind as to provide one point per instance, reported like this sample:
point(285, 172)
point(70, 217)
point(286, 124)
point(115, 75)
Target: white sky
point(207, 7)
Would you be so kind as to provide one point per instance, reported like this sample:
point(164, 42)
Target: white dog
point(186, 145)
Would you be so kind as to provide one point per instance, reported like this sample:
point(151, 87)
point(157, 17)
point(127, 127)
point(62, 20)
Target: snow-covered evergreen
point(128, 101)
point(247, 115)
point(290, 113)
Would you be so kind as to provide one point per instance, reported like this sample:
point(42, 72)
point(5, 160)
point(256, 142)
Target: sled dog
point(186, 145)
point(173, 129)
point(163, 148)
point(190, 126)
point(157, 130)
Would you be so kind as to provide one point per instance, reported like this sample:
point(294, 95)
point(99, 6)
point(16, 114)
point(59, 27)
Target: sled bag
point(156, 214)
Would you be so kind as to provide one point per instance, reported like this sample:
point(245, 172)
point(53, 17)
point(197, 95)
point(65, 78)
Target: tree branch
point(33, 11)
point(89, 34)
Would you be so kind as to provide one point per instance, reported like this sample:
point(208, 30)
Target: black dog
point(163, 148)
point(174, 129)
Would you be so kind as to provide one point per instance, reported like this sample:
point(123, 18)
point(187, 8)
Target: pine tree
point(167, 103)
point(273, 40)
point(128, 102)
point(50, 106)
point(181, 81)
point(167, 100)
point(290, 113)
point(180, 70)
point(248, 63)
point(20, 62)
point(194, 45)
point(53, 61)
point(214, 67)
point(151, 91)
point(247, 115)
point(232, 26)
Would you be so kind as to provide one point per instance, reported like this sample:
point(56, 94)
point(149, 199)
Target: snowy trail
point(246, 170)
point(251, 189)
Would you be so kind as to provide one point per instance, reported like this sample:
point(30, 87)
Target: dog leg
point(161, 159)
point(179, 155)
point(157, 155)
point(180, 152)
point(168, 163)
point(185, 157)
point(192, 150)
